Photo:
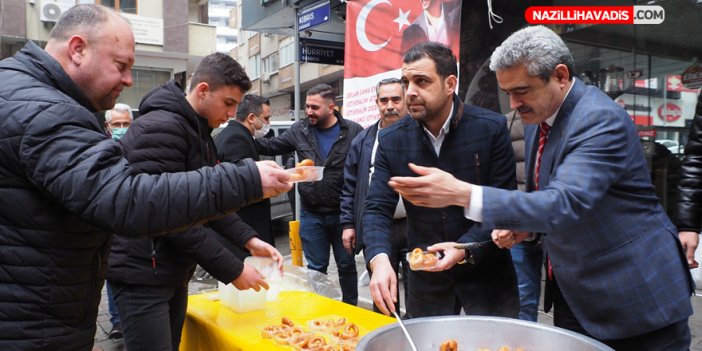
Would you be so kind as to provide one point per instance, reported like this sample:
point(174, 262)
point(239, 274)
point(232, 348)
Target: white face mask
point(260, 133)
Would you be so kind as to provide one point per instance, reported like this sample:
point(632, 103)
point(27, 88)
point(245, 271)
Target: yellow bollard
point(295, 243)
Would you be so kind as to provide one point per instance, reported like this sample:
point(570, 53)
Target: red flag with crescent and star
point(375, 46)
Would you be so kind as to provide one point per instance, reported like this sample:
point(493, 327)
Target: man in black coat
point(150, 275)
point(323, 137)
point(469, 142)
point(65, 186)
point(235, 143)
point(689, 220)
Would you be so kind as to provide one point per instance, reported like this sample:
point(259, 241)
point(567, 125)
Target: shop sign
point(692, 77)
point(647, 133)
point(669, 112)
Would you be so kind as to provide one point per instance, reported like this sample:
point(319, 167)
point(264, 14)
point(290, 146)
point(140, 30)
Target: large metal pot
point(473, 333)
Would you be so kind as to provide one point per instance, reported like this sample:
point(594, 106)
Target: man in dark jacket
point(472, 144)
point(690, 190)
point(150, 275)
point(66, 186)
point(390, 98)
point(236, 142)
point(323, 137)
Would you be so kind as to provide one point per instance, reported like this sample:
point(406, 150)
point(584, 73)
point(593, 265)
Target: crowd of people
point(141, 202)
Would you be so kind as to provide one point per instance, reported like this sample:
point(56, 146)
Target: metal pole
point(296, 104)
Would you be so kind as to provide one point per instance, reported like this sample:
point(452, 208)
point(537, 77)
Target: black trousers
point(152, 316)
point(673, 337)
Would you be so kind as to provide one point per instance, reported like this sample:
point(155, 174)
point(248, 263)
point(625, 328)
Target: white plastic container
point(241, 301)
point(269, 270)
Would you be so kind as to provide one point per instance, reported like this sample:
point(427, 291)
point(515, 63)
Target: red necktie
point(543, 136)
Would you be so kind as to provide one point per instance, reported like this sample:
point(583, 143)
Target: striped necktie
point(543, 135)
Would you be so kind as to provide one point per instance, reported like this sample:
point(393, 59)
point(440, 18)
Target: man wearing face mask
point(118, 119)
point(236, 142)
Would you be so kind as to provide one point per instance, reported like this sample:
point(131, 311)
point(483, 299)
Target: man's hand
point(383, 284)
point(689, 241)
point(258, 247)
point(273, 179)
point(505, 238)
point(348, 238)
point(433, 188)
point(451, 256)
point(250, 278)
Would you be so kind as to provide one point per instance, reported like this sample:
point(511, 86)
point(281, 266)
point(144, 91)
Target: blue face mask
point(118, 133)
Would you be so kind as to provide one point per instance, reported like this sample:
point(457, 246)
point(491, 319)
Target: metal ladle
point(404, 330)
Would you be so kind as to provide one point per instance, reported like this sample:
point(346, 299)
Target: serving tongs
point(472, 246)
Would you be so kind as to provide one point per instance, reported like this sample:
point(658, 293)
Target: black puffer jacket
point(325, 195)
point(171, 137)
point(64, 187)
point(690, 186)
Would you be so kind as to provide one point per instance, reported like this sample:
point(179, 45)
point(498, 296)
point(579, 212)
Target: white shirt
point(438, 140)
point(474, 211)
point(437, 32)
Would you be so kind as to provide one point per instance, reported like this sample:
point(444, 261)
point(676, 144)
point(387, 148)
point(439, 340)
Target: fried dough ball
point(449, 345)
point(305, 162)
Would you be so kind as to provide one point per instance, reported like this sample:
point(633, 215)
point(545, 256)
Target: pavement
point(102, 343)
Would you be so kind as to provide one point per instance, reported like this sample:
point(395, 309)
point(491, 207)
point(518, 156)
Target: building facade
point(171, 35)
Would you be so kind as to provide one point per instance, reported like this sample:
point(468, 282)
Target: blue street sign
point(314, 15)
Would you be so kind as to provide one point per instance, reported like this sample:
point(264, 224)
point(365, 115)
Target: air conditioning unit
point(51, 10)
point(266, 78)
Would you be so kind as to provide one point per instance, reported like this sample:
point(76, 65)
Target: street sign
point(313, 15)
point(320, 51)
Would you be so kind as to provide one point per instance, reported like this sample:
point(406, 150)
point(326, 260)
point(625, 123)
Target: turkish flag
point(372, 38)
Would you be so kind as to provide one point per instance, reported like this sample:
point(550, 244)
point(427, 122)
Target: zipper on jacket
point(477, 168)
point(153, 257)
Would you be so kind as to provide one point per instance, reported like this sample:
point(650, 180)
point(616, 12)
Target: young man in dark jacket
point(150, 275)
point(65, 186)
point(236, 142)
point(323, 137)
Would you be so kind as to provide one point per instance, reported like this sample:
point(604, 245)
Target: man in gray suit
point(617, 272)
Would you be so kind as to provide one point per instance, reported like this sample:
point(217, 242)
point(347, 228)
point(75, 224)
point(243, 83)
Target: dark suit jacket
point(235, 143)
point(476, 149)
point(614, 252)
point(356, 170)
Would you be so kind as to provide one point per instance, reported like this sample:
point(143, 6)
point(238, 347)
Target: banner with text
point(378, 33)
